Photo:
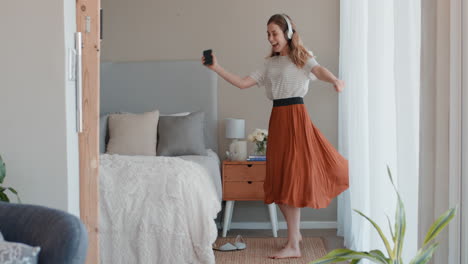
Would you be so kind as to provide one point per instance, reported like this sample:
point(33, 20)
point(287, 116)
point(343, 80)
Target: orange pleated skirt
point(303, 169)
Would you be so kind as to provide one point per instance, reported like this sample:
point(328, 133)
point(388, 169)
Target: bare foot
point(285, 244)
point(288, 252)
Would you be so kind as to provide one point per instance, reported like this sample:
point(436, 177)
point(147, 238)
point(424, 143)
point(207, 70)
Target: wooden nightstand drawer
point(244, 172)
point(243, 181)
point(245, 190)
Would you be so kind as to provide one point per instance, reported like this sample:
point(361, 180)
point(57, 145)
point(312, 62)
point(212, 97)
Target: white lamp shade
point(235, 128)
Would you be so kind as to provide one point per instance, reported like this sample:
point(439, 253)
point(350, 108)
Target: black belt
point(288, 101)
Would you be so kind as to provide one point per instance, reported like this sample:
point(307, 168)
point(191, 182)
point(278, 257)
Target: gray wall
point(37, 138)
point(436, 153)
point(236, 31)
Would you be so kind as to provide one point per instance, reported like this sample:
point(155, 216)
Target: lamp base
point(238, 150)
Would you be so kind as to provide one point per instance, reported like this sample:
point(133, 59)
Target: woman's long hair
point(297, 52)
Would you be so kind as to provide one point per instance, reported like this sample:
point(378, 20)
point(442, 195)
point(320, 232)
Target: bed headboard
point(169, 86)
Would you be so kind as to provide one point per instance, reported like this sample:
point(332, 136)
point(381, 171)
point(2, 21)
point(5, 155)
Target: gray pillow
point(103, 133)
point(182, 135)
point(18, 253)
point(104, 130)
point(133, 134)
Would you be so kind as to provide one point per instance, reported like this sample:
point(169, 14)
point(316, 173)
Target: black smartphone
point(208, 57)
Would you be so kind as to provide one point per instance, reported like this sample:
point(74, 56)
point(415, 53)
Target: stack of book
point(256, 158)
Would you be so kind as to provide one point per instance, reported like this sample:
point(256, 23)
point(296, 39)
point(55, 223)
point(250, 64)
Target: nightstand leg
point(276, 217)
point(273, 219)
point(230, 215)
point(227, 216)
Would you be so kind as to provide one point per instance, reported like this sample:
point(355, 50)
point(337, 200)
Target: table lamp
point(235, 130)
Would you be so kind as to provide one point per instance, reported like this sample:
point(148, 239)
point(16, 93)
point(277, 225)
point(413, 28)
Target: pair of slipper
point(239, 244)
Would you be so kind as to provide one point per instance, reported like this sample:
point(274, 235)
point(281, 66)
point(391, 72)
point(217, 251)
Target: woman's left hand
point(339, 85)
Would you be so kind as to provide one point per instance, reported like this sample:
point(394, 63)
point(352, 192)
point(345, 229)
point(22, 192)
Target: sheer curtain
point(379, 117)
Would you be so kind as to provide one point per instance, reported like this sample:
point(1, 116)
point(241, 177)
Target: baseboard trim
point(282, 225)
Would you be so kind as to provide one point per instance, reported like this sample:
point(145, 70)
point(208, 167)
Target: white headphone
point(290, 31)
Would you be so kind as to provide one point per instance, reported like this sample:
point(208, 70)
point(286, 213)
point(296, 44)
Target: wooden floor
point(332, 241)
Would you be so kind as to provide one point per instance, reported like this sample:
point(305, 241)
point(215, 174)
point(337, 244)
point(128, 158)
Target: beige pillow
point(133, 134)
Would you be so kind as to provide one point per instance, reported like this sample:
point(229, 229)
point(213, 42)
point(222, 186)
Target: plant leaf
point(2, 170)
point(400, 228)
point(391, 178)
point(13, 190)
point(390, 227)
point(400, 222)
point(332, 257)
point(439, 225)
point(328, 260)
point(338, 255)
point(384, 239)
point(4, 197)
point(16, 193)
point(424, 256)
point(380, 255)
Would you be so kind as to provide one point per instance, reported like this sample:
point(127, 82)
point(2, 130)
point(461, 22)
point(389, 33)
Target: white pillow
point(12, 252)
point(133, 134)
point(176, 114)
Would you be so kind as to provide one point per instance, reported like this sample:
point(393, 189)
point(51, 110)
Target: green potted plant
point(3, 195)
point(393, 254)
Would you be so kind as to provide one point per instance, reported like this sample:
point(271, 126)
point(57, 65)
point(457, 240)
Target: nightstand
point(243, 181)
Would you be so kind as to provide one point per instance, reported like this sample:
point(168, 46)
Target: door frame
point(88, 23)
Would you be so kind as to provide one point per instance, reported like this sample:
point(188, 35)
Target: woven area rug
point(258, 250)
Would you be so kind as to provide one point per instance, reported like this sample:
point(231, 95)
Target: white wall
point(73, 170)
point(236, 31)
point(37, 139)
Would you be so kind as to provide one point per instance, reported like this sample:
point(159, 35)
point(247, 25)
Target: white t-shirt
point(283, 79)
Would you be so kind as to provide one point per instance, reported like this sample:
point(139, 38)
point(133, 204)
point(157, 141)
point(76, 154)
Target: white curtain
point(379, 117)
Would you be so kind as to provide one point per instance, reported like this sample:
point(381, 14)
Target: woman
point(303, 168)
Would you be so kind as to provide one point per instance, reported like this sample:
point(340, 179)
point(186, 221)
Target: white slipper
point(226, 247)
point(240, 243)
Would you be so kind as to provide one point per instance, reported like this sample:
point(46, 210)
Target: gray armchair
point(62, 237)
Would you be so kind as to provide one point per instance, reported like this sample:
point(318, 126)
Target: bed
point(153, 208)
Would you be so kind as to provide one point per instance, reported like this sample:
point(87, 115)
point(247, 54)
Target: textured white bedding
point(158, 209)
point(212, 164)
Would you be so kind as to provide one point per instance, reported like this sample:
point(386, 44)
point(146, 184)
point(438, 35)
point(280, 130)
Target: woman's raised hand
point(215, 62)
point(339, 85)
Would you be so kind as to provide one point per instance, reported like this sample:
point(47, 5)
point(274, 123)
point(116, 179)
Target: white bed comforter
point(156, 210)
